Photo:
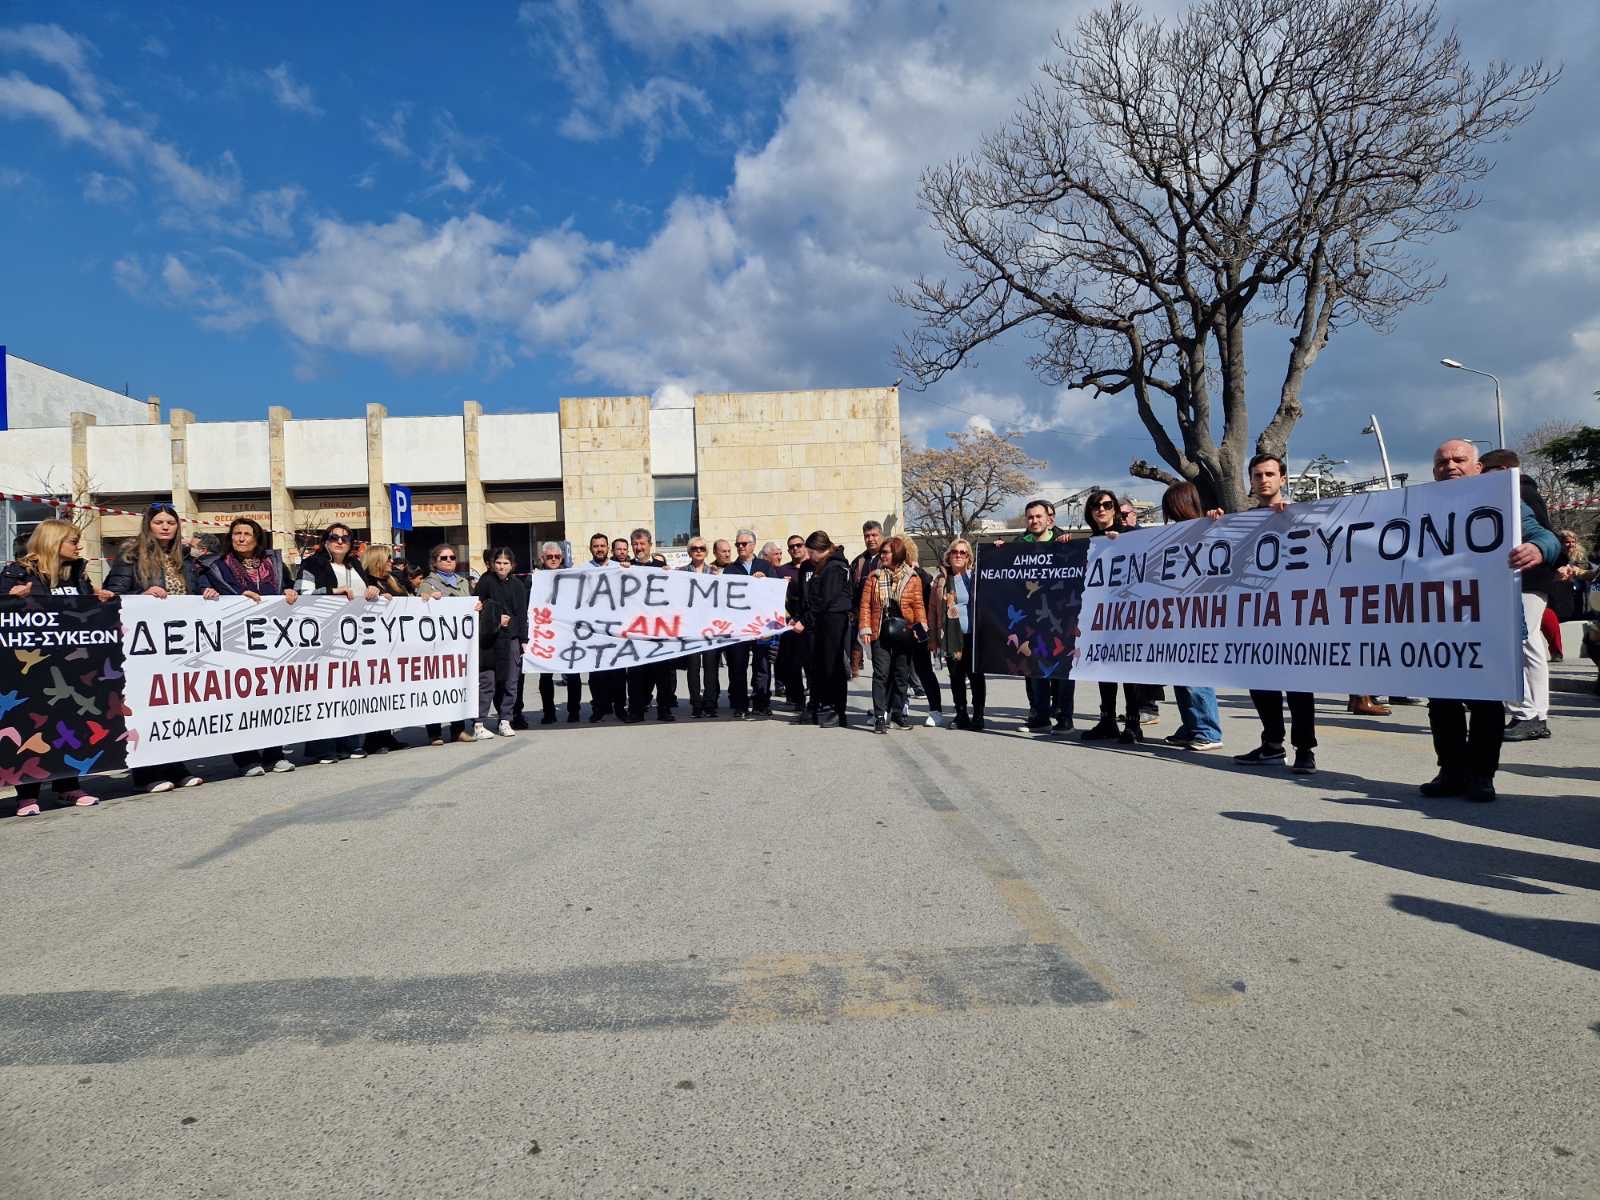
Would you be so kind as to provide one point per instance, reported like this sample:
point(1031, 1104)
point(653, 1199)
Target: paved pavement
point(723, 960)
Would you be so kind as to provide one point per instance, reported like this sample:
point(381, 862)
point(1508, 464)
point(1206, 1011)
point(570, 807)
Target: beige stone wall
point(606, 483)
point(791, 462)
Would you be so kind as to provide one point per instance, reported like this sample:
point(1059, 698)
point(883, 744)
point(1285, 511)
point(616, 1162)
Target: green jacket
point(1049, 535)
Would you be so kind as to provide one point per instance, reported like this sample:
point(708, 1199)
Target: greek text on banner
point(600, 620)
point(1403, 592)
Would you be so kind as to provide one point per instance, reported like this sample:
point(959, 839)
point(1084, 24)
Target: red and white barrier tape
point(101, 508)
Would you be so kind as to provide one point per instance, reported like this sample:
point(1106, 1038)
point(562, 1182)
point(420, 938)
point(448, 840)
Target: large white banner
point(219, 676)
point(1404, 592)
point(599, 620)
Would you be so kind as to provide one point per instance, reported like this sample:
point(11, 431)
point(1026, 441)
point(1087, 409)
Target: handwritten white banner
point(598, 620)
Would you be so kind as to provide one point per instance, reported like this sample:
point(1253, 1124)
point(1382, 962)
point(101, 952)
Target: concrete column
point(153, 403)
point(377, 491)
point(81, 491)
point(277, 480)
point(476, 508)
point(182, 497)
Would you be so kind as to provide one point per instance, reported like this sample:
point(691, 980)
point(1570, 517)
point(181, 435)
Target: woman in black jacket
point(378, 565)
point(1102, 515)
point(505, 617)
point(249, 567)
point(51, 566)
point(334, 570)
point(825, 617)
point(153, 563)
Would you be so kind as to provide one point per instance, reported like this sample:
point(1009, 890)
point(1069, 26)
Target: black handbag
point(895, 631)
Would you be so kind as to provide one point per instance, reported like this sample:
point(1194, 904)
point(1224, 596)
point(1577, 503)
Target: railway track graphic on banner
point(1403, 592)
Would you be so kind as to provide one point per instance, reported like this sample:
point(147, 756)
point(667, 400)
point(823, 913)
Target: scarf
point(891, 584)
point(250, 574)
point(450, 579)
point(172, 577)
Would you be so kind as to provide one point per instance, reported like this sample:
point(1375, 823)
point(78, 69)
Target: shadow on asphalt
point(1575, 942)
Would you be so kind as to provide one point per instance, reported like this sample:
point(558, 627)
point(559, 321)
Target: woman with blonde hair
point(377, 564)
point(445, 579)
point(953, 625)
point(153, 564)
point(922, 652)
point(51, 566)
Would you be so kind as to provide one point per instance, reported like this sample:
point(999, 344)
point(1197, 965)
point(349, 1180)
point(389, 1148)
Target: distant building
point(778, 462)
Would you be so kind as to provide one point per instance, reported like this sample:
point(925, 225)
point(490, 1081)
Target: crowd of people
point(881, 612)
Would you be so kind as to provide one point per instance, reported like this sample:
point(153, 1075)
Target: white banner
point(219, 676)
point(1404, 593)
point(599, 620)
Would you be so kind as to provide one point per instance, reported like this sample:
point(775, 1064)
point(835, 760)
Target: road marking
point(55, 1028)
point(1027, 907)
point(1198, 985)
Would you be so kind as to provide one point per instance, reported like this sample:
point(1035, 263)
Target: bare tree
point(1168, 185)
point(949, 491)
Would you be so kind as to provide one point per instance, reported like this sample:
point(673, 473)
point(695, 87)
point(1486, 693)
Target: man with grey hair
point(1469, 755)
point(659, 678)
point(749, 668)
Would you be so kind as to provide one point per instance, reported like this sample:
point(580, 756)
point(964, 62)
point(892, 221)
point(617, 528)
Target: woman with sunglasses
point(552, 558)
point(153, 563)
point(379, 566)
point(249, 567)
point(333, 570)
point(952, 625)
point(51, 566)
point(891, 618)
point(443, 579)
point(704, 669)
point(1101, 515)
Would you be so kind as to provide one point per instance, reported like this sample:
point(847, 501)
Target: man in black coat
point(659, 678)
point(749, 674)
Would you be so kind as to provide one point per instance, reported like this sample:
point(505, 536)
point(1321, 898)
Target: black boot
point(1130, 735)
point(549, 717)
point(977, 720)
point(1105, 729)
point(962, 721)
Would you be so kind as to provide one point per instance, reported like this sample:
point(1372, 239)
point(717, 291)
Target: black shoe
point(1530, 729)
point(1305, 762)
point(977, 722)
point(879, 725)
point(666, 714)
point(1481, 789)
point(1262, 755)
point(739, 714)
point(573, 717)
point(1445, 783)
point(696, 713)
point(899, 721)
point(962, 721)
point(1063, 725)
point(1394, 700)
point(519, 723)
point(802, 717)
point(596, 717)
point(548, 719)
point(1130, 735)
point(1036, 722)
point(1103, 731)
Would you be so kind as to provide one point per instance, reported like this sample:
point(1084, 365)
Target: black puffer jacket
point(508, 596)
point(125, 580)
point(75, 583)
point(828, 591)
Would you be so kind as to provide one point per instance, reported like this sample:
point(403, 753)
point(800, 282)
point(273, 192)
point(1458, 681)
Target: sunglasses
point(337, 537)
point(958, 554)
point(797, 545)
point(744, 543)
point(1105, 504)
point(697, 549)
point(445, 558)
point(162, 506)
point(552, 558)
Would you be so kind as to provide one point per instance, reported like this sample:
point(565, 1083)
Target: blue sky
point(324, 205)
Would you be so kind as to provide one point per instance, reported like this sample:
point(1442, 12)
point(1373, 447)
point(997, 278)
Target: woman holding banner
point(153, 563)
point(825, 615)
point(377, 564)
point(1101, 513)
point(249, 567)
point(551, 558)
point(51, 566)
point(1200, 725)
point(444, 580)
point(952, 625)
point(892, 619)
point(334, 571)
point(500, 675)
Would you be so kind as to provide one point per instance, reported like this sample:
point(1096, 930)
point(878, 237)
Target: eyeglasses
point(445, 558)
point(337, 537)
point(551, 558)
point(744, 543)
point(797, 545)
point(958, 554)
point(1105, 504)
point(697, 549)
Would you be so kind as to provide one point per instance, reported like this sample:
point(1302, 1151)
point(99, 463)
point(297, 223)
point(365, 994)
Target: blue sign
point(399, 507)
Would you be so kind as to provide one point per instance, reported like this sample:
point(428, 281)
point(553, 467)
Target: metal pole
point(1383, 453)
point(1499, 412)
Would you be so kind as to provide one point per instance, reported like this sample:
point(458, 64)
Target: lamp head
point(1450, 362)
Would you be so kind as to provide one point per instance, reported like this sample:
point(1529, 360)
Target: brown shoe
point(1367, 706)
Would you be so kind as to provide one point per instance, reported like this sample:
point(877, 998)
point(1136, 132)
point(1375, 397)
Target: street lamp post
point(1499, 409)
point(1383, 451)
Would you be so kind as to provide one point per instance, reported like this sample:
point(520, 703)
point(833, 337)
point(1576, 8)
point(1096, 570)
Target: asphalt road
point(723, 960)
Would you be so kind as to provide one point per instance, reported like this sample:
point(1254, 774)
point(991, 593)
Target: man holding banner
point(1469, 756)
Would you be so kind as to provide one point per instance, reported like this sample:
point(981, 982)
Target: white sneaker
point(282, 765)
point(191, 781)
point(933, 721)
point(1204, 744)
point(253, 770)
point(480, 733)
point(506, 730)
point(326, 761)
point(358, 754)
point(162, 785)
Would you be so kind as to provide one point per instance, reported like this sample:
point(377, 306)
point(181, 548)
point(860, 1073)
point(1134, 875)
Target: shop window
point(677, 510)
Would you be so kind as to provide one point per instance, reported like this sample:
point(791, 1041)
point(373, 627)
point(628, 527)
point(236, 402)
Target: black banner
point(61, 708)
point(1027, 603)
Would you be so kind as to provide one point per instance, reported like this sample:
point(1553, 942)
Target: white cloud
point(81, 118)
point(428, 296)
point(107, 189)
point(273, 211)
point(675, 20)
point(288, 92)
point(390, 133)
point(131, 276)
point(675, 394)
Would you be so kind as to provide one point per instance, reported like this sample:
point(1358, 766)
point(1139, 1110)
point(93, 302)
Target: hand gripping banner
point(600, 620)
point(1405, 592)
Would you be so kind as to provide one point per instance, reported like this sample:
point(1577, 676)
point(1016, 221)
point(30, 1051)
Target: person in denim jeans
point(1200, 724)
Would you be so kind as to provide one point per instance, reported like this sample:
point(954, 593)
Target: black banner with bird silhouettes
point(1027, 602)
point(61, 689)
